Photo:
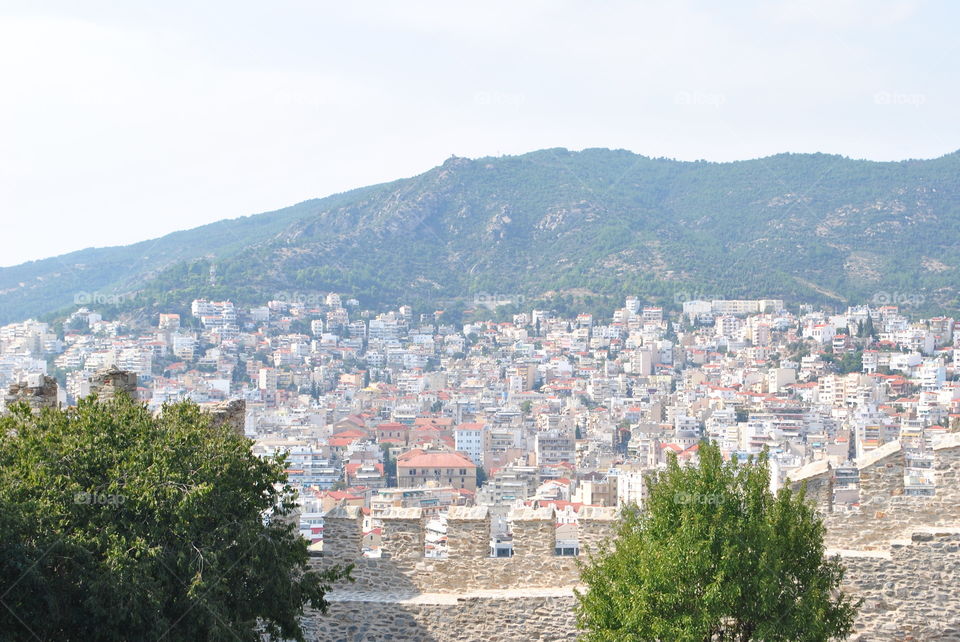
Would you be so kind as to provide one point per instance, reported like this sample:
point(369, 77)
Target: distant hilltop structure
point(736, 307)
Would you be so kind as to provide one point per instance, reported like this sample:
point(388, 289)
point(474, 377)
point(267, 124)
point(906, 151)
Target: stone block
point(343, 534)
point(403, 534)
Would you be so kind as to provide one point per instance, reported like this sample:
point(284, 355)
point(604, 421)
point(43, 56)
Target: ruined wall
point(902, 555)
point(232, 413)
point(468, 596)
point(38, 391)
point(111, 381)
point(885, 513)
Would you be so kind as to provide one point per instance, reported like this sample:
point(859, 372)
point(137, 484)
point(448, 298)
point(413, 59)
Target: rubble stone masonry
point(111, 381)
point(38, 392)
point(885, 512)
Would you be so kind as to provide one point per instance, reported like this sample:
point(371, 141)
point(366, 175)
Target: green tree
point(116, 524)
point(389, 466)
point(851, 362)
point(715, 556)
point(868, 330)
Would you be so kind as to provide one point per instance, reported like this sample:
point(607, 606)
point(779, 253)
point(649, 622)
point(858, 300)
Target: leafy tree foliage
point(851, 362)
point(118, 525)
point(715, 556)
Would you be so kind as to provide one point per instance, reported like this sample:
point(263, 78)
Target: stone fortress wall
point(885, 511)
point(466, 596)
point(402, 567)
point(902, 555)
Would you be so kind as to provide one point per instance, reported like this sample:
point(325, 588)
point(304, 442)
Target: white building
point(468, 439)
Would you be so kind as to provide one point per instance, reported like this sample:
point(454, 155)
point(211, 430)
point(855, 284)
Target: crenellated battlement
point(108, 382)
point(885, 510)
point(403, 567)
point(902, 555)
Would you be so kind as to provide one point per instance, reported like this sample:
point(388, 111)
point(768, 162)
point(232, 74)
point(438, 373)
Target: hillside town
point(395, 410)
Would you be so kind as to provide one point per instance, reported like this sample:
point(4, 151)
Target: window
point(413, 471)
point(463, 471)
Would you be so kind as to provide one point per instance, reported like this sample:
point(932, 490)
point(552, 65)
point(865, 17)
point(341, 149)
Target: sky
point(123, 121)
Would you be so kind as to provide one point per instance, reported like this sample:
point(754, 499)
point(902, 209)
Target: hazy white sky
point(121, 121)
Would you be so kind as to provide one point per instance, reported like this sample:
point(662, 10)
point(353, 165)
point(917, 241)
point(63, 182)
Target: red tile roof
point(420, 459)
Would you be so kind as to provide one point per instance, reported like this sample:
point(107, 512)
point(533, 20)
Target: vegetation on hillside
point(592, 226)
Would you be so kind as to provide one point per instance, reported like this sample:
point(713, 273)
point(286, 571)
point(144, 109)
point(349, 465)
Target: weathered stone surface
point(342, 535)
point(468, 532)
point(595, 525)
point(38, 391)
point(885, 513)
point(813, 469)
point(908, 590)
point(232, 413)
point(403, 535)
point(534, 532)
point(111, 381)
point(504, 616)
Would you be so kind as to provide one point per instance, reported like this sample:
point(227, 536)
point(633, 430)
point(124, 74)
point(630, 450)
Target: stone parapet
point(885, 512)
point(595, 525)
point(534, 532)
point(343, 534)
point(468, 532)
point(403, 534)
point(503, 616)
point(817, 478)
point(908, 591)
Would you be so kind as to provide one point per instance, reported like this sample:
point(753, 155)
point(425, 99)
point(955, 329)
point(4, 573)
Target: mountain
point(556, 224)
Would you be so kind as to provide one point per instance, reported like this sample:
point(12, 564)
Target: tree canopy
point(119, 525)
point(715, 555)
